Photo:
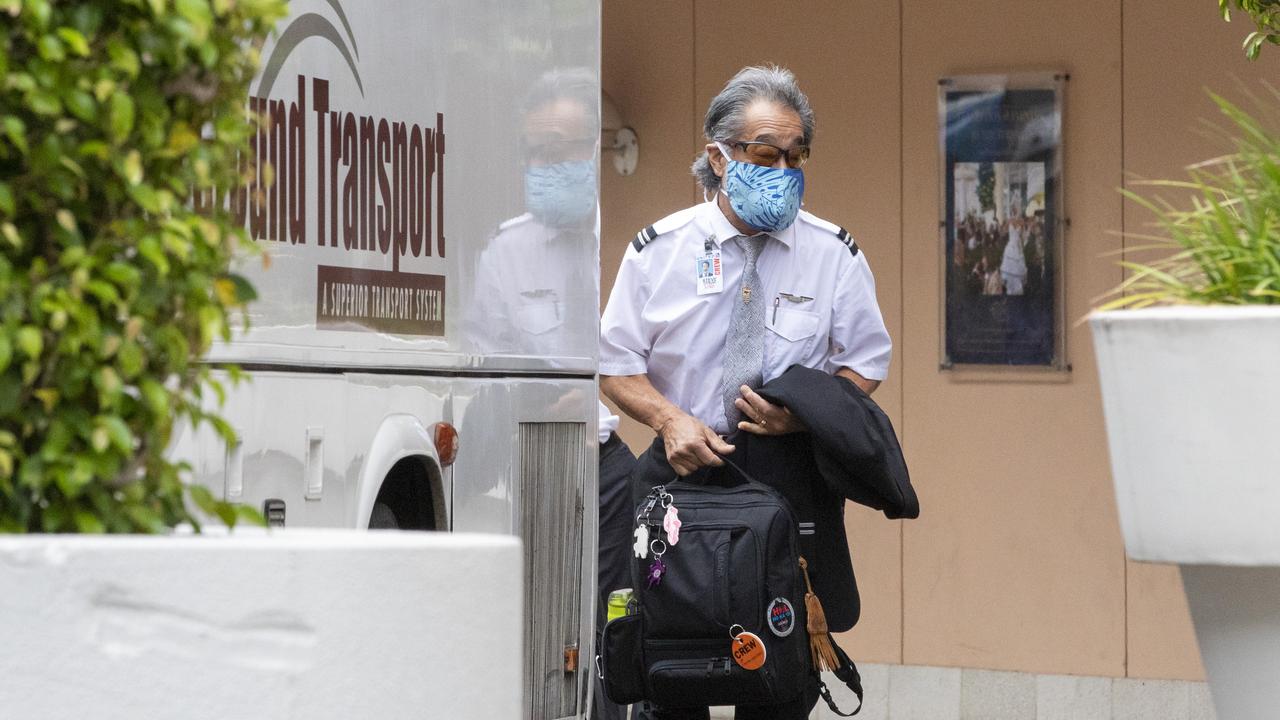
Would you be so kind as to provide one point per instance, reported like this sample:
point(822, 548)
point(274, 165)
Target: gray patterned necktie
point(744, 345)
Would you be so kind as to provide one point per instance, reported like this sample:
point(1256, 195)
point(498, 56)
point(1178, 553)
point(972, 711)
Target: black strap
point(848, 674)
point(741, 472)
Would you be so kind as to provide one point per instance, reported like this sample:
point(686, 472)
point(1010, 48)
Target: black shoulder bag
point(723, 611)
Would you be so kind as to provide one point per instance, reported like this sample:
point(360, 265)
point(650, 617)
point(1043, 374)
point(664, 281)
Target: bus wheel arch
point(401, 484)
point(409, 497)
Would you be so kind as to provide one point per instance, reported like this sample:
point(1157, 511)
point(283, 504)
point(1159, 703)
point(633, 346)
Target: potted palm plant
point(1189, 359)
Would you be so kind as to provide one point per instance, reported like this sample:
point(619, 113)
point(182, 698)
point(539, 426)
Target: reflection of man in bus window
point(537, 286)
point(536, 281)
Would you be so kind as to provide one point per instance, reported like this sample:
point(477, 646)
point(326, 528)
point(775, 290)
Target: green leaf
point(131, 360)
point(150, 249)
point(67, 221)
point(51, 49)
point(203, 498)
point(198, 14)
point(75, 40)
point(39, 10)
point(73, 482)
point(244, 290)
point(250, 514)
point(87, 522)
point(6, 199)
point(81, 104)
point(156, 397)
point(131, 167)
point(10, 233)
point(99, 439)
point(121, 109)
point(16, 131)
point(119, 433)
point(123, 58)
point(6, 352)
point(30, 341)
point(44, 102)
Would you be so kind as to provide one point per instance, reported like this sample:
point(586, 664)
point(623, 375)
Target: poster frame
point(1055, 208)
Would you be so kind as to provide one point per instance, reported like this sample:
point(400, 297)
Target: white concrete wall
point(298, 624)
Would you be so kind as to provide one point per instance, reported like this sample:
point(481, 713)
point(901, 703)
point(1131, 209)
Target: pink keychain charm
point(671, 523)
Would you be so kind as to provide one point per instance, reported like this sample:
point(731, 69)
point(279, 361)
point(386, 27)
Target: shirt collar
point(720, 226)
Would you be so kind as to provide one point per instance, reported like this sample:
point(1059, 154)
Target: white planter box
point(1192, 403)
point(295, 624)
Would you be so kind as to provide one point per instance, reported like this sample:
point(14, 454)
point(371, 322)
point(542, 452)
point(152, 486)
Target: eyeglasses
point(767, 154)
point(554, 151)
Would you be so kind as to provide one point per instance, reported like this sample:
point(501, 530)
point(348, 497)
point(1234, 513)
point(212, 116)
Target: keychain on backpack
point(670, 520)
point(671, 523)
point(657, 568)
point(641, 533)
point(747, 649)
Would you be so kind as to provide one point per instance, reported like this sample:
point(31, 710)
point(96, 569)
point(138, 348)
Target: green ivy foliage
point(114, 114)
point(1266, 18)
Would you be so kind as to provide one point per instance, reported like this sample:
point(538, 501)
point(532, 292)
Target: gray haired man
point(684, 351)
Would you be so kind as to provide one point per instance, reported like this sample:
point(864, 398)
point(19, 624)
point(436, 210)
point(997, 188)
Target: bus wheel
point(382, 518)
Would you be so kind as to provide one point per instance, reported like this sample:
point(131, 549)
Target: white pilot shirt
point(820, 311)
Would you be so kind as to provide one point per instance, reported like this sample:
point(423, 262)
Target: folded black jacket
point(849, 451)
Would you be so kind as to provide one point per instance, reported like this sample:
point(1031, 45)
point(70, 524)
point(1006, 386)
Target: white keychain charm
point(641, 547)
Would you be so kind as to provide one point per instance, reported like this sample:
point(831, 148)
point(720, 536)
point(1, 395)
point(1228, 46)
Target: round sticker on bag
point(781, 617)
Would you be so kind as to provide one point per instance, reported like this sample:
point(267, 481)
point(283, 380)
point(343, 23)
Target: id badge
point(708, 271)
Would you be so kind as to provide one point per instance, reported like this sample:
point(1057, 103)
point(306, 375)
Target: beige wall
point(1016, 562)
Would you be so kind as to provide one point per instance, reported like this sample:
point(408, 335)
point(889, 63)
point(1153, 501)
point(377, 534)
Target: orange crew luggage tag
point(747, 649)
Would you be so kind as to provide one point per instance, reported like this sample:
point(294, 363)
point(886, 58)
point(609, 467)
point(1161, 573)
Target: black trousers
point(614, 571)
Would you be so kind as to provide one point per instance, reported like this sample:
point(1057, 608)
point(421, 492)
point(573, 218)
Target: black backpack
point(733, 577)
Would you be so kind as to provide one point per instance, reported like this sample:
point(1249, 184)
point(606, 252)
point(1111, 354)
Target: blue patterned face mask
point(765, 198)
point(562, 194)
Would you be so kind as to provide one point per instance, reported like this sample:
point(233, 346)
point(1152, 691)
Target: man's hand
point(690, 444)
point(763, 417)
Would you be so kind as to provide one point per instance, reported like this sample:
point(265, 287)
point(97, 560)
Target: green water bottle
point(618, 601)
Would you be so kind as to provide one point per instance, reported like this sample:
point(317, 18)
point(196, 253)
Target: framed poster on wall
point(1002, 221)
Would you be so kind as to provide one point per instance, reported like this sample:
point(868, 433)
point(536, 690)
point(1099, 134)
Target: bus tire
point(382, 518)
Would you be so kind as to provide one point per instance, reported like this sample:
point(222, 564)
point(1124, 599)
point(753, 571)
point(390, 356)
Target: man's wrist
point(664, 417)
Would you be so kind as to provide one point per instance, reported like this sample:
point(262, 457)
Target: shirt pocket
point(537, 318)
point(791, 337)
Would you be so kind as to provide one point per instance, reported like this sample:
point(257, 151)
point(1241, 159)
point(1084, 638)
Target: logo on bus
point(379, 190)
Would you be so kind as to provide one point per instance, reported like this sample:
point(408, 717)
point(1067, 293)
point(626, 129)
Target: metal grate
point(552, 466)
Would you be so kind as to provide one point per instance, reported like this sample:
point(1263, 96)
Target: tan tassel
point(824, 656)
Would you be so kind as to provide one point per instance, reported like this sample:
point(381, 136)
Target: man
point(684, 354)
point(536, 293)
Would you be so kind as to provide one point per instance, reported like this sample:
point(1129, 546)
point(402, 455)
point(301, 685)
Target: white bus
point(423, 350)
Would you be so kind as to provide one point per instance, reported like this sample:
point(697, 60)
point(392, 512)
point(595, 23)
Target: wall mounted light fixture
point(617, 138)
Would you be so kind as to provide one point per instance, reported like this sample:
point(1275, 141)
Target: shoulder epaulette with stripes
point(674, 221)
point(847, 239)
point(841, 234)
point(642, 238)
